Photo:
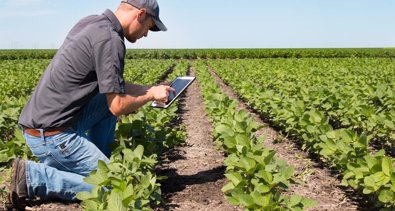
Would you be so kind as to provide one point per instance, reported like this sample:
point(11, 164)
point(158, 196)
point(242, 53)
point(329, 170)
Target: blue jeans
point(66, 158)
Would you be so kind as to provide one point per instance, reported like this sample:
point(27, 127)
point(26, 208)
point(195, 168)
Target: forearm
point(126, 104)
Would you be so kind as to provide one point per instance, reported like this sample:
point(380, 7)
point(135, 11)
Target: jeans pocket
point(66, 145)
point(40, 152)
point(37, 146)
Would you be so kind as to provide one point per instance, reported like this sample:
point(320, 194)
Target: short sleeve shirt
point(90, 61)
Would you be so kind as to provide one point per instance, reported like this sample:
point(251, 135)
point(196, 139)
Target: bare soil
point(314, 181)
point(195, 171)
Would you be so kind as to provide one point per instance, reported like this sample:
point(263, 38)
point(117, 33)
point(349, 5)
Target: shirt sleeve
point(109, 64)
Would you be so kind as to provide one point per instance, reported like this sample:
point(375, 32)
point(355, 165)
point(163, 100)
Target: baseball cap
point(152, 9)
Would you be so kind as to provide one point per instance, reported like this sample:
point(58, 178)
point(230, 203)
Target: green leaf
point(248, 163)
point(145, 181)
point(90, 205)
point(267, 176)
point(239, 127)
point(348, 135)
point(386, 196)
point(233, 200)
point(386, 166)
point(287, 171)
point(269, 157)
point(294, 200)
point(309, 203)
point(230, 142)
point(241, 149)
point(139, 151)
point(261, 188)
point(349, 175)
point(260, 199)
point(371, 161)
point(316, 116)
point(369, 181)
point(102, 166)
point(115, 201)
point(363, 139)
point(228, 187)
point(224, 129)
point(96, 178)
point(128, 155)
point(326, 152)
point(243, 140)
point(234, 177)
point(368, 190)
point(331, 134)
point(84, 195)
point(247, 200)
point(128, 194)
point(240, 116)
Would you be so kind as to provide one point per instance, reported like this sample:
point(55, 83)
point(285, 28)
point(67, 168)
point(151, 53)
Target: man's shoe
point(18, 189)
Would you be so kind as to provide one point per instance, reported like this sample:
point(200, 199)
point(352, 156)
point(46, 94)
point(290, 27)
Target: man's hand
point(160, 93)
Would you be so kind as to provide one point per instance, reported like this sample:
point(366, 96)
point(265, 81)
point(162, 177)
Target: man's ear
point(142, 13)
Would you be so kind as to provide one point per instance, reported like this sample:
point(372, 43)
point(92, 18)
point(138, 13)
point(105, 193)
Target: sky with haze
point(43, 24)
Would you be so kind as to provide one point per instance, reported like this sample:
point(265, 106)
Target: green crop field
point(338, 104)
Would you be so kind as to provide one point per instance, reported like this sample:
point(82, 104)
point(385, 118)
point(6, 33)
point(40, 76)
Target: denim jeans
point(66, 158)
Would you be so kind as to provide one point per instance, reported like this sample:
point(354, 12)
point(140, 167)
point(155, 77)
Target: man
point(69, 121)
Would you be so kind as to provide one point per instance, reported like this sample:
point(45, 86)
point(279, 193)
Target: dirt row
point(314, 181)
point(195, 171)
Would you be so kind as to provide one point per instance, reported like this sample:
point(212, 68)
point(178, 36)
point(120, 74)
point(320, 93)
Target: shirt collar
point(116, 25)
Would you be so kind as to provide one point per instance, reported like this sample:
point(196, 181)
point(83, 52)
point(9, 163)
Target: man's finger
point(170, 89)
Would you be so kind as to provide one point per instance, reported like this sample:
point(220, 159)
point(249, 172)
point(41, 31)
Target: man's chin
point(131, 40)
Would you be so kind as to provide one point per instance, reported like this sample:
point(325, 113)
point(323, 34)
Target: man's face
point(139, 28)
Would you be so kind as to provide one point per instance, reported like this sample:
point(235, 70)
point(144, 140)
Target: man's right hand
point(160, 93)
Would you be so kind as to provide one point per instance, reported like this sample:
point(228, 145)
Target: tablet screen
point(179, 84)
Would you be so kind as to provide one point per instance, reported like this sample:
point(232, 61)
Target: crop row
point(344, 149)
point(354, 93)
point(258, 180)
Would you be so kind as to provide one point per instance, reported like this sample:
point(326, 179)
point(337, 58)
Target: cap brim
point(159, 26)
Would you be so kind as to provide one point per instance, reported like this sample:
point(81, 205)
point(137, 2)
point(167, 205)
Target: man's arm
point(120, 104)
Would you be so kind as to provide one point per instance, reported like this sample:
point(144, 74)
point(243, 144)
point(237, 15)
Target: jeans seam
point(68, 169)
point(28, 183)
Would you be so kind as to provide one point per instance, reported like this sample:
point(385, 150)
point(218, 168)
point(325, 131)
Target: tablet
point(179, 84)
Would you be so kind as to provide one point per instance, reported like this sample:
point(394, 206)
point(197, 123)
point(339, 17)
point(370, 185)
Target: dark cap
point(152, 9)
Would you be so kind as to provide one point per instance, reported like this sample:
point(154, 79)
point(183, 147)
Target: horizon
point(301, 48)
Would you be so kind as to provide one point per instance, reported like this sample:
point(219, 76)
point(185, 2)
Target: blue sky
point(36, 24)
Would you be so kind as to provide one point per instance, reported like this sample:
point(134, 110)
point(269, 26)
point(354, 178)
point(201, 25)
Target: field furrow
point(313, 180)
point(194, 170)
